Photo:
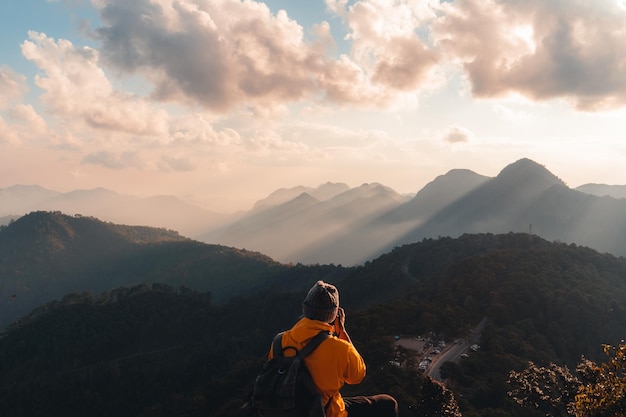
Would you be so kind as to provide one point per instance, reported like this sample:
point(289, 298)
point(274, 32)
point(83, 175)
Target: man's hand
point(340, 321)
point(340, 325)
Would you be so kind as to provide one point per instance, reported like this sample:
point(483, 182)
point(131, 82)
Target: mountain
point(523, 197)
point(157, 351)
point(107, 205)
point(336, 224)
point(20, 199)
point(368, 237)
point(602, 190)
point(45, 255)
point(291, 231)
point(437, 194)
point(497, 205)
point(283, 195)
point(526, 197)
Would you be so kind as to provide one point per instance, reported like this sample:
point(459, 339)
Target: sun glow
point(527, 35)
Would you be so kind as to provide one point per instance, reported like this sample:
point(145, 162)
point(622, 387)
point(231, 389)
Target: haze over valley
point(339, 224)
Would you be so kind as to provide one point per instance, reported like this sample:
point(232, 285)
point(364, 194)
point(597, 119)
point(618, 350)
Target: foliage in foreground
point(591, 391)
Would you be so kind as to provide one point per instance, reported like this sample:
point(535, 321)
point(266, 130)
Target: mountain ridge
point(322, 192)
point(334, 223)
point(603, 190)
point(495, 206)
point(155, 211)
point(45, 255)
point(291, 228)
point(524, 197)
point(540, 301)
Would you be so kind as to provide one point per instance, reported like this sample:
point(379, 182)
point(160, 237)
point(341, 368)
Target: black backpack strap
point(277, 345)
point(313, 344)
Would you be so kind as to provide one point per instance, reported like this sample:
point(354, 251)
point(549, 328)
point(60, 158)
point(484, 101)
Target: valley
point(90, 307)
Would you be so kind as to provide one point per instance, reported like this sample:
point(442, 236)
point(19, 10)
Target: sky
point(221, 102)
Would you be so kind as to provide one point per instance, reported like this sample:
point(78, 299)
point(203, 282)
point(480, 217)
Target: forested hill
point(46, 255)
point(160, 351)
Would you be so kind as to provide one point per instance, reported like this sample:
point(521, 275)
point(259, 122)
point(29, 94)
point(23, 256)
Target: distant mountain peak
point(459, 171)
point(21, 187)
point(455, 182)
point(323, 192)
point(329, 190)
point(280, 196)
point(374, 187)
point(528, 170)
point(603, 190)
point(305, 197)
point(333, 185)
point(437, 194)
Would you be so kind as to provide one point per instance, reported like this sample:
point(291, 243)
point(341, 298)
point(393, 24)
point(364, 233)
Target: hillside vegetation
point(46, 255)
point(158, 350)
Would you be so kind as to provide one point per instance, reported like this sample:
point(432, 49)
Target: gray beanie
point(321, 303)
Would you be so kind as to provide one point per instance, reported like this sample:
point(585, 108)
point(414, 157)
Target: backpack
point(284, 387)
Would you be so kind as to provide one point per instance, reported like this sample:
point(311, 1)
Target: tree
point(435, 401)
point(592, 391)
point(451, 370)
point(606, 395)
point(550, 390)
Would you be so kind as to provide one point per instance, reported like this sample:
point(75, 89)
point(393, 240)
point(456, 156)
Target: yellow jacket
point(332, 364)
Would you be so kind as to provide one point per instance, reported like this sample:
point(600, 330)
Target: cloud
point(226, 61)
point(8, 134)
point(386, 42)
point(18, 122)
point(196, 129)
point(227, 54)
point(388, 58)
point(26, 115)
point(457, 135)
point(24, 125)
point(77, 89)
point(12, 86)
point(177, 164)
point(114, 160)
point(266, 144)
point(231, 54)
point(217, 54)
point(574, 50)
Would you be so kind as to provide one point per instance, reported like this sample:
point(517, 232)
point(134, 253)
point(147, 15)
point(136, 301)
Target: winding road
point(452, 352)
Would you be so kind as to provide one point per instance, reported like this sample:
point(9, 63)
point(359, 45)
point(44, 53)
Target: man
point(335, 361)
